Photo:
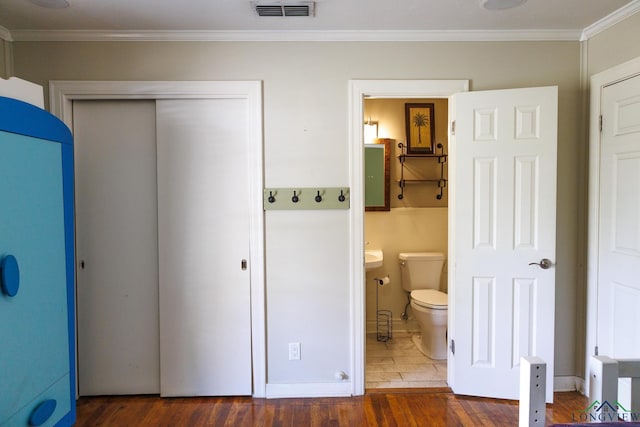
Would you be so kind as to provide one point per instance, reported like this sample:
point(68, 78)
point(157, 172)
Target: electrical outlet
point(294, 351)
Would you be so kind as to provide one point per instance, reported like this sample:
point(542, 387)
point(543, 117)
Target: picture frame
point(420, 127)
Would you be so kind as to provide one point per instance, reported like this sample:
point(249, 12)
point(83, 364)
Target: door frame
point(598, 83)
point(63, 93)
point(358, 91)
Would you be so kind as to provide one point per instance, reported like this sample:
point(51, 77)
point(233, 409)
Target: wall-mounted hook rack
point(306, 198)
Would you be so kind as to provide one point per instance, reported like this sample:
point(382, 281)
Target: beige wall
point(305, 140)
point(5, 59)
point(614, 46)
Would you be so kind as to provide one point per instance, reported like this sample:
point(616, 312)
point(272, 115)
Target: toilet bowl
point(420, 274)
point(430, 310)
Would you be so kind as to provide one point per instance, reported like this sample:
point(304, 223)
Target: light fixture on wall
point(51, 4)
point(370, 131)
point(500, 4)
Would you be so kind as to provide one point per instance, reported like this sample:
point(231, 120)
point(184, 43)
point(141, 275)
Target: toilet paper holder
point(382, 281)
point(384, 318)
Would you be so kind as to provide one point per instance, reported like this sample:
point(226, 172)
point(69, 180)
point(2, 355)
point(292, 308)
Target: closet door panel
point(203, 231)
point(117, 249)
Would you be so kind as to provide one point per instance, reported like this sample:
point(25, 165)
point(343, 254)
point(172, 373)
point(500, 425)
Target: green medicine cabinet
point(376, 174)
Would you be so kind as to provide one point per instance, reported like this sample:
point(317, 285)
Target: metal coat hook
point(341, 197)
point(271, 198)
point(318, 197)
point(295, 198)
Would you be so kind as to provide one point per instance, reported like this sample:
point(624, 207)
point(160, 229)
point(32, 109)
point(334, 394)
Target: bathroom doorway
point(414, 221)
point(388, 226)
point(478, 195)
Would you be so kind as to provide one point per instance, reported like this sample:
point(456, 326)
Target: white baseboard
point(337, 389)
point(568, 383)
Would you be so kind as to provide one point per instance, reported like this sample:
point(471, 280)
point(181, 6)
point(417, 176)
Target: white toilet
point(420, 275)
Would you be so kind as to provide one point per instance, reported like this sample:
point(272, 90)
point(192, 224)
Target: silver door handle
point(543, 264)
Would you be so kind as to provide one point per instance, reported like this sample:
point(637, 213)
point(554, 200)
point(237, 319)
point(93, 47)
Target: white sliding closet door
point(203, 232)
point(117, 247)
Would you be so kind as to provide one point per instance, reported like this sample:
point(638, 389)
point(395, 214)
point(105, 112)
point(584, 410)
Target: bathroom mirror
point(376, 174)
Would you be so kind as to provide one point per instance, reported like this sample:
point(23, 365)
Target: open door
point(502, 238)
point(618, 239)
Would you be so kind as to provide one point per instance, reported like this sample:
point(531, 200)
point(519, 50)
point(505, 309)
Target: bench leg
point(533, 378)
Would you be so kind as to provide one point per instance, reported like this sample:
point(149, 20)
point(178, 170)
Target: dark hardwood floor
point(379, 407)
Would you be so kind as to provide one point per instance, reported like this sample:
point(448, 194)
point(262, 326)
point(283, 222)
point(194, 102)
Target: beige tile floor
point(397, 363)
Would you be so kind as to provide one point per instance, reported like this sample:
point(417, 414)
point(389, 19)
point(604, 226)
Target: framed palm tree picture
point(420, 128)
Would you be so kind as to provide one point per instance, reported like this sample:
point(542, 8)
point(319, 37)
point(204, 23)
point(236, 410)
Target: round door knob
point(9, 275)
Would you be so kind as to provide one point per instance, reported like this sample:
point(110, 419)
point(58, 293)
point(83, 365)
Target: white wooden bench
point(604, 373)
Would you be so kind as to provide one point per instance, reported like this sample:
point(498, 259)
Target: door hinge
point(595, 351)
point(600, 122)
point(453, 347)
point(453, 127)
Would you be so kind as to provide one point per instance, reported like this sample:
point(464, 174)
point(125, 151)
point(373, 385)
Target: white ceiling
point(558, 19)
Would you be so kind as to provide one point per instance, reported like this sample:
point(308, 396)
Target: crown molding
point(610, 20)
point(298, 36)
point(327, 36)
point(5, 34)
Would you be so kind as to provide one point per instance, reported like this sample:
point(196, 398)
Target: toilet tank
point(420, 270)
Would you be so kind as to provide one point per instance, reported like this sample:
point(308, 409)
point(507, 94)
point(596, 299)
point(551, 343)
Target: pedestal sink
point(372, 259)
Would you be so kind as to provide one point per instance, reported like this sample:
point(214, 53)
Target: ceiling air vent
point(284, 9)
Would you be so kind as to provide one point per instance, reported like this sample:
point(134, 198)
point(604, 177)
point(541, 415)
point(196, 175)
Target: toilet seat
point(430, 298)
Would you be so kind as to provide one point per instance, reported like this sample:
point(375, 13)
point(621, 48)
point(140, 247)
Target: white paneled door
point(203, 239)
point(502, 240)
point(619, 227)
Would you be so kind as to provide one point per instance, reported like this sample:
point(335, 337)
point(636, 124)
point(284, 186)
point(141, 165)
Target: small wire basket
point(383, 325)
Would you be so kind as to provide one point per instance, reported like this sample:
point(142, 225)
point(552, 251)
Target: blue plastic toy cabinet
point(37, 366)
